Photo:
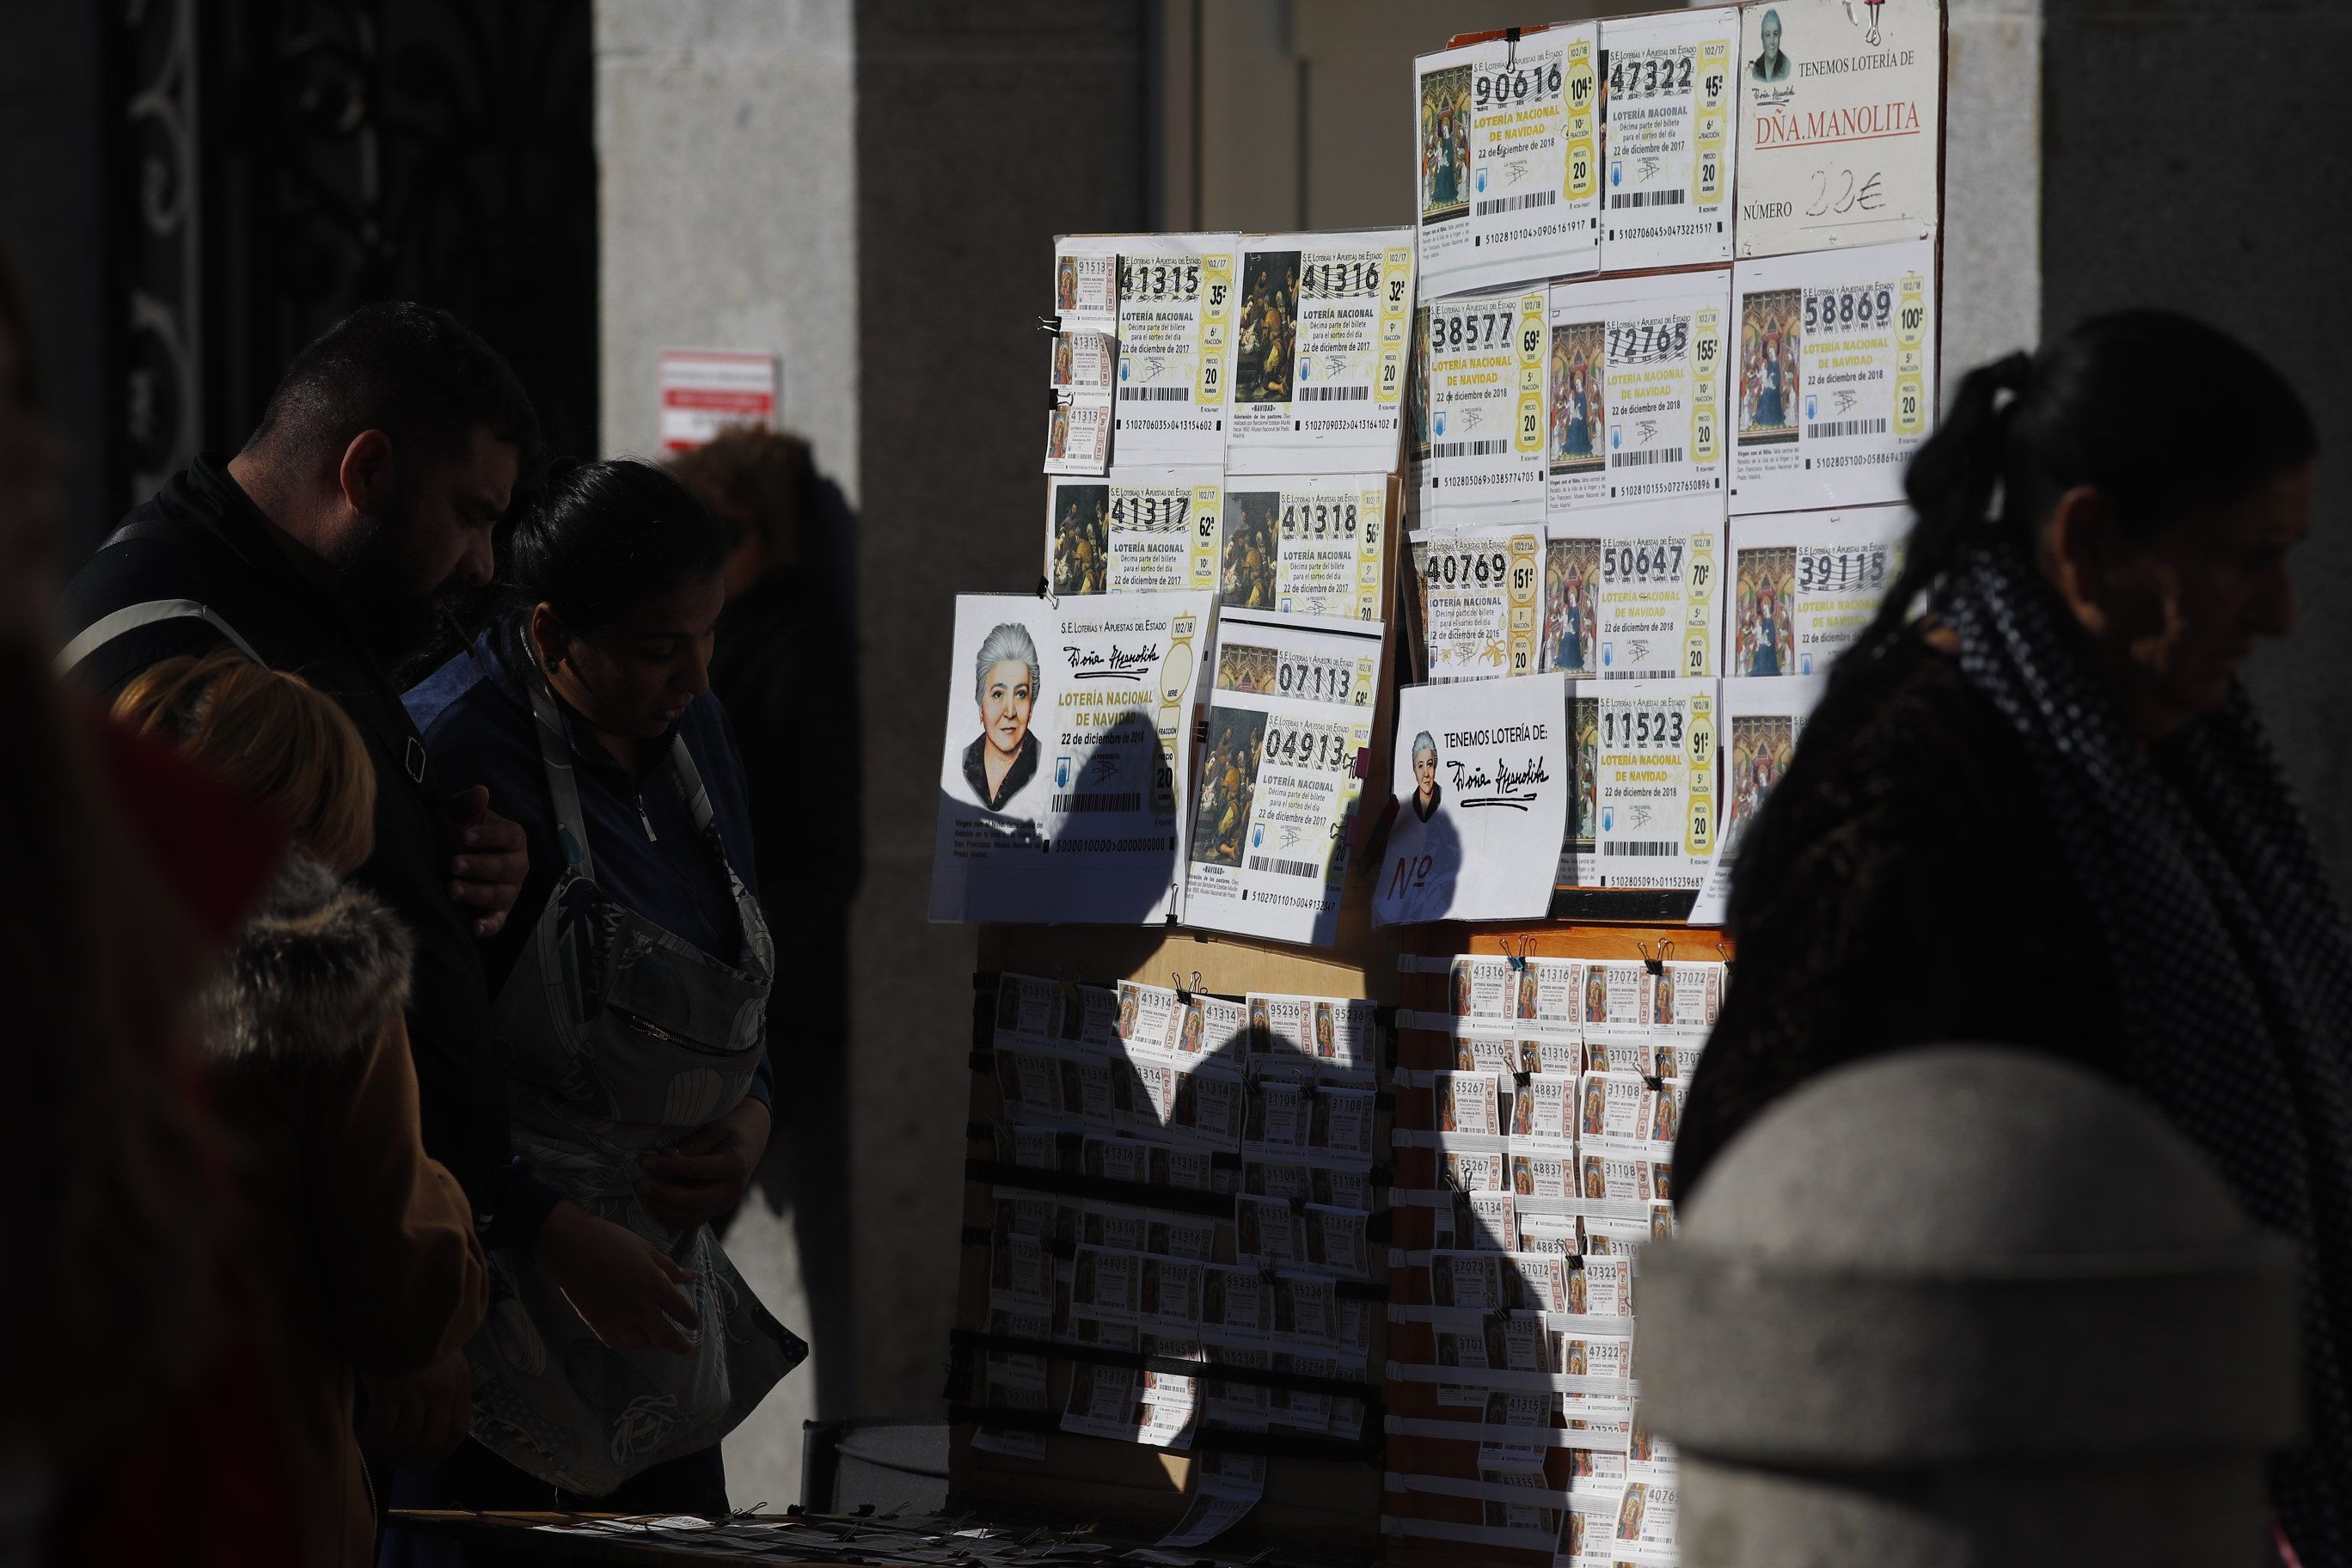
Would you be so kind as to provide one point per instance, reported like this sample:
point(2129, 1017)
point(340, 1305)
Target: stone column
point(1967, 1306)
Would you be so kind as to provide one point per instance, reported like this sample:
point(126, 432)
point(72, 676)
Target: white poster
point(1064, 772)
point(1507, 160)
point(1659, 610)
point(1320, 338)
point(1175, 347)
point(1666, 134)
point(1481, 779)
point(1482, 607)
point(1840, 123)
point(1636, 392)
point(1307, 544)
point(1836, 377)
point(1135, 531)
point(1804, 585)
point(1486, 423)
point(1290, 707)
point(1762, 721)
point(1654, 782)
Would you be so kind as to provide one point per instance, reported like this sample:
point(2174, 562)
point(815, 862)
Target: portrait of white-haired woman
point(1003, 760)
point(1426, 791)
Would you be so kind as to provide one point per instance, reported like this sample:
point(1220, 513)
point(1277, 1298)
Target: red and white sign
point(704, 391)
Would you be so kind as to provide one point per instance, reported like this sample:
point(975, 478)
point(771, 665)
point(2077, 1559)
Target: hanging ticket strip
point(1187, 1218)
point(1536, 1104)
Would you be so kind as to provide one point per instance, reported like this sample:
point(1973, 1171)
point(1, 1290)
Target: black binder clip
point(1050, 323)
point(1055, 398)
point(1510, 47)
point(1655, 963)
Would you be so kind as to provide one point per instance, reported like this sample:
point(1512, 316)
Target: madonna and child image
point(1004, 759)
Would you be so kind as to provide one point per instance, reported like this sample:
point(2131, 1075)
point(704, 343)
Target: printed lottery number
point(1840, 571)
point(1459, 569)
point(1648, 343)
point(1469, 329)
point(1641, 728)
point(1314, 680)
point(1150, 513)
point(1317, 520)
point(1644, 561)
point(1159, 280)
point(1503, 87)
point(1647, 76)
point(1838, 310)
point(1340, 279)
point(1312, 750)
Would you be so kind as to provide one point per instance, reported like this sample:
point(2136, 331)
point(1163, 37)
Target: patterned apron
point(619, 1038)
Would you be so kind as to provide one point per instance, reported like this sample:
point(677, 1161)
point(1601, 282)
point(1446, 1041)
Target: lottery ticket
point(1579, 863)
point(1175, 347)
point(1667, 112)
point(1481, 778)
point(1067, 730)
point(1683, 997)
point(1279, 780)
point(1480, 589)
point(1319, 345)
point(1480, 987)
point(1509, 160)
point(1540, 1174)
point(1840, 124)
point(1226, 1487)
point(1134, 531)
point(1762, 720)
point(1486, 357)
point(1636, 387)
point(1077, 432)
point(1836, 375)
point(1306, 544)
point(1468, 1103)
point(1654, 786)
point(1804, 585)
point(1660, 605)
point(1550, 991)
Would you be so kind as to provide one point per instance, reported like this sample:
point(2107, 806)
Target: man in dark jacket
point(390, 448)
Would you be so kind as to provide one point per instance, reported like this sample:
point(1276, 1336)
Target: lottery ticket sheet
point(1065, 761)
point(1290, 706)
point(1321, 335)
point(1804, 585)
point(1840, 124)
point(1836, 375)
point(1653, 785)
point(1226, 1487)
point(1481, 780)
point(1084, 357)
point(1667, 102)
point(1148, 531)
point(1484, 356)
point(1306, 544)
point(1762, 720)
point(1660, 605)
point(1507, 164)
point(1480, 603)
point(1176, 306)
point(1580, 862)
point(1635, 392)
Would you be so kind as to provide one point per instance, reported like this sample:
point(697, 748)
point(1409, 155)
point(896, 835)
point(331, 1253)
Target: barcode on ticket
point(1516, 204)
point(1469, 448)
point(1154, 394)
point(1649, 199)
point(1130, 801)
point(1285, 868)
point(1645, 459)
point(1333, 394)
point(1642, 846)
point(1832, 427)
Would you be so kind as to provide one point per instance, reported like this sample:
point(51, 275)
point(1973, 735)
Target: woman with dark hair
point(630, 1005)
point(2037, 765)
